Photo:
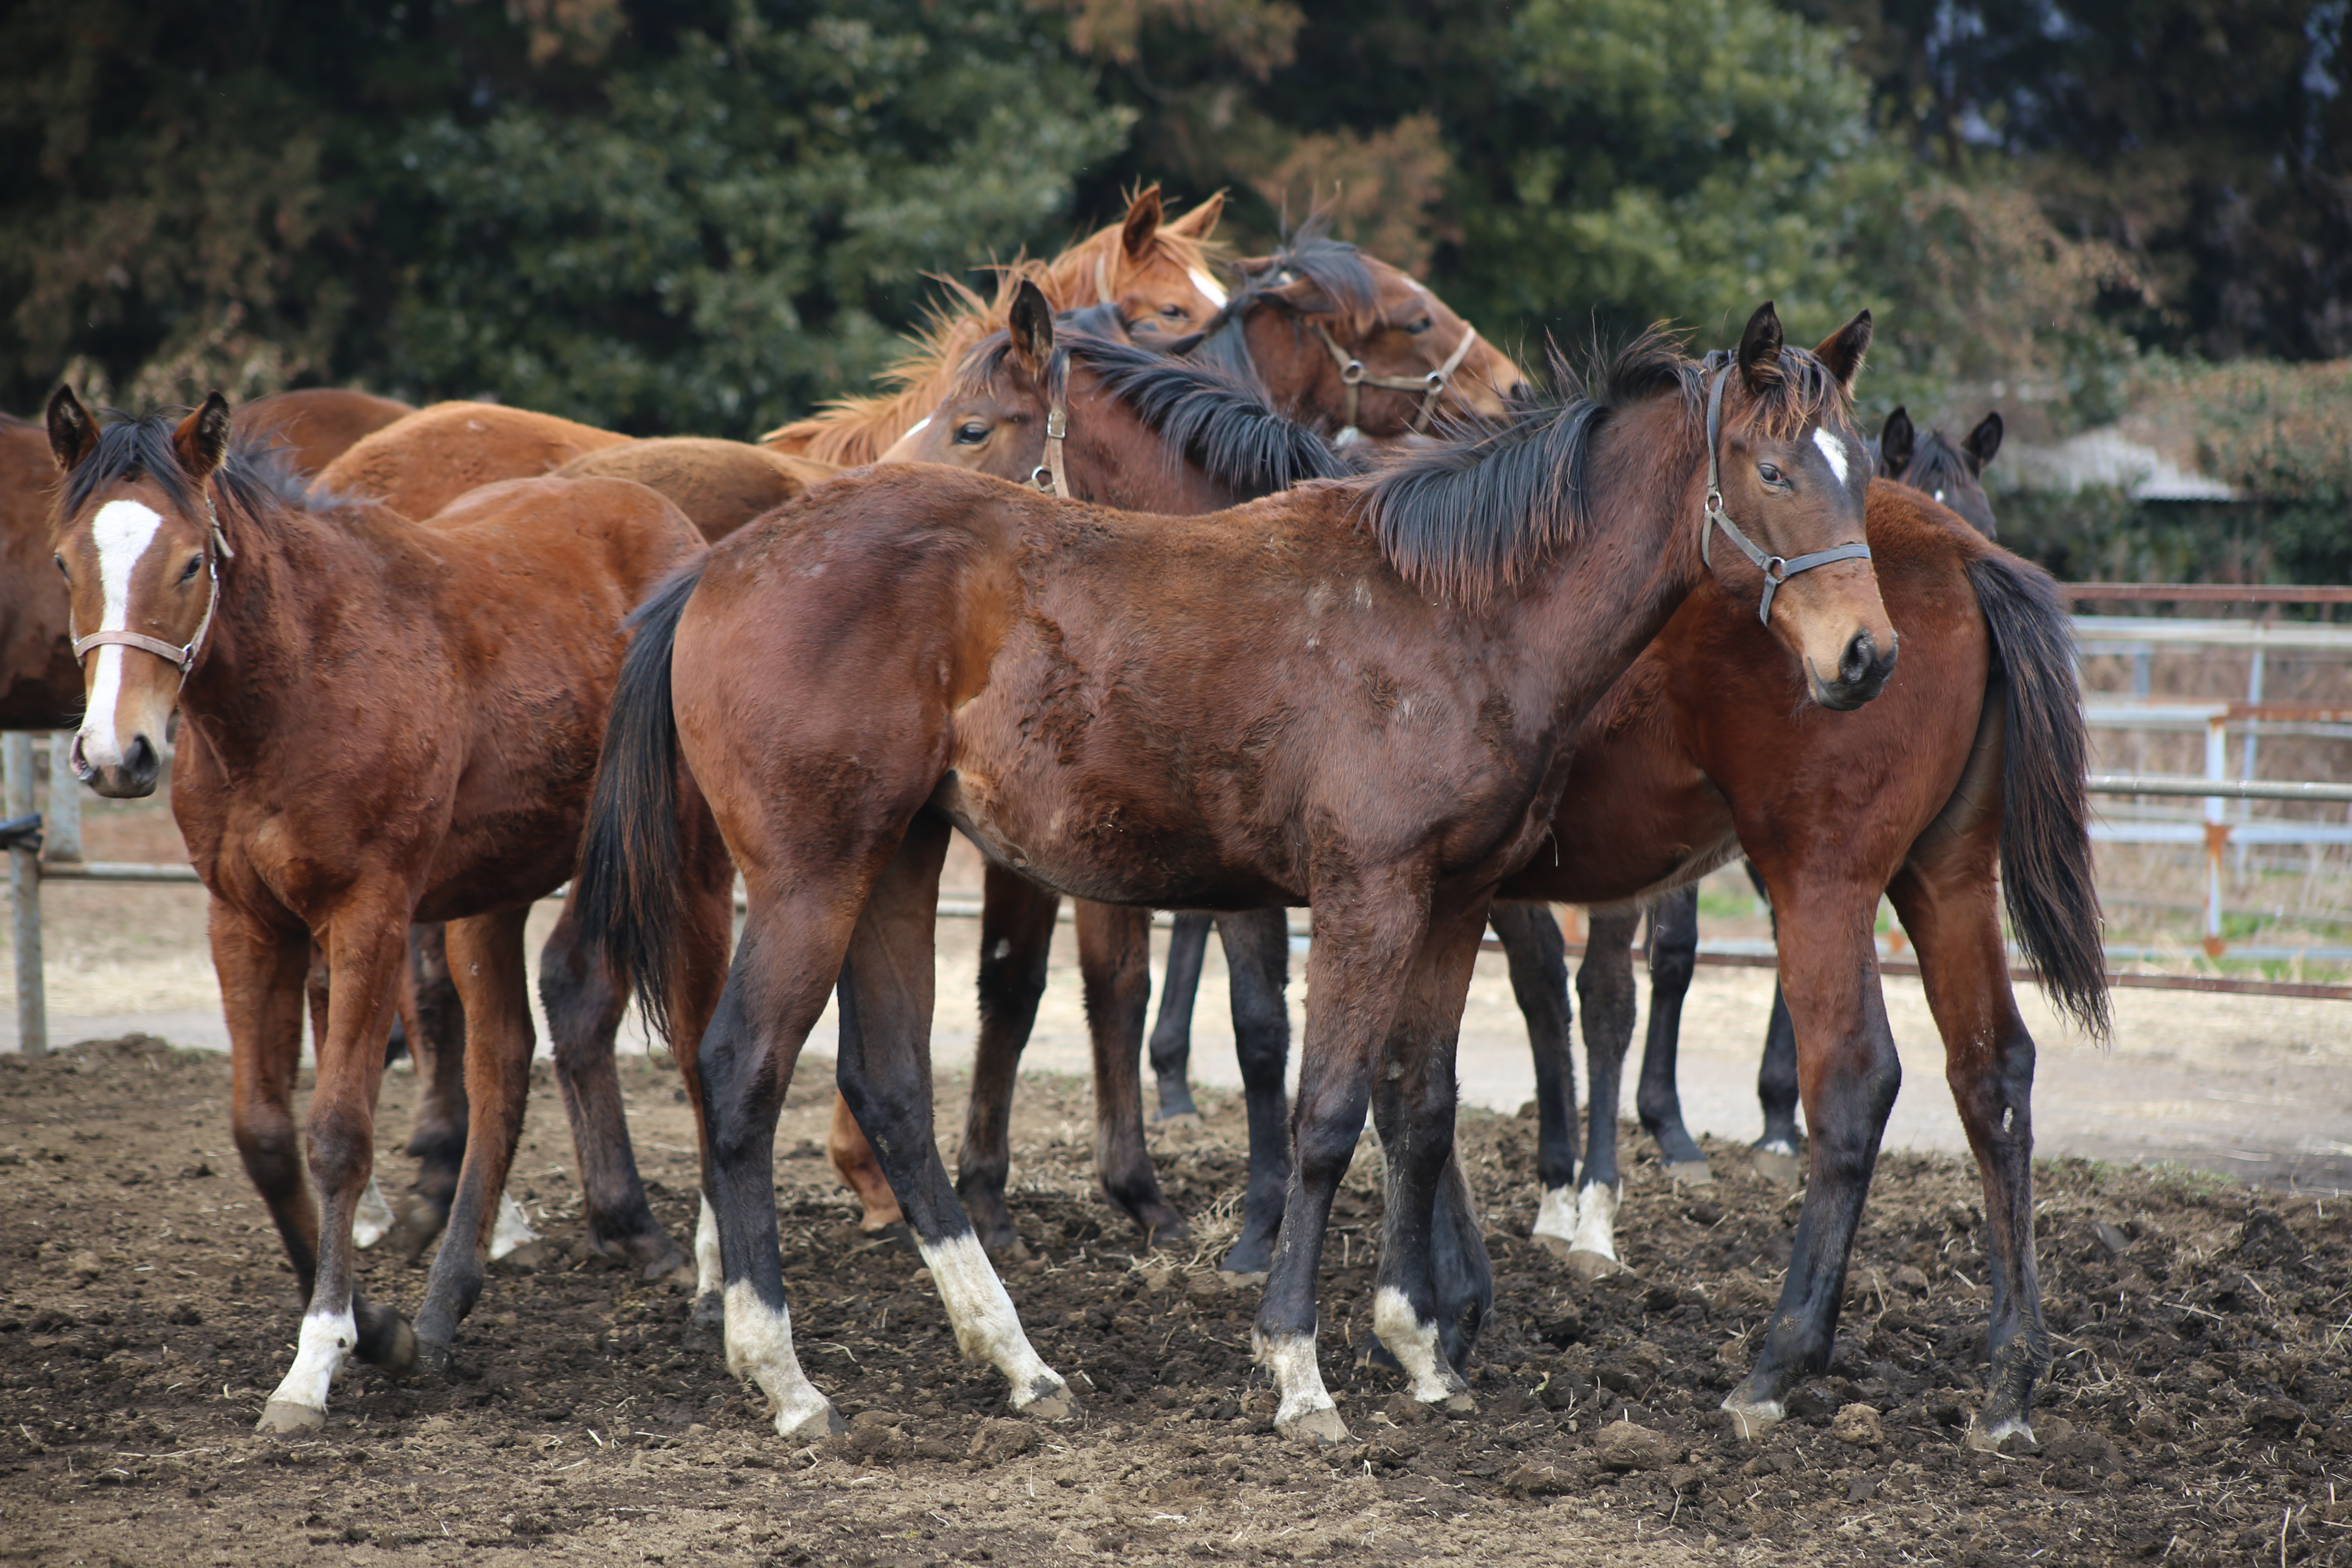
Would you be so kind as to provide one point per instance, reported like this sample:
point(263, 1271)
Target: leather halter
point(1777, 568)
point(183, 657)
point(1355, 378)
point(1051, 475)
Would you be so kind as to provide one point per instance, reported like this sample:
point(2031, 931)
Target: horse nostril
point(140, 761)
point(1861, 657)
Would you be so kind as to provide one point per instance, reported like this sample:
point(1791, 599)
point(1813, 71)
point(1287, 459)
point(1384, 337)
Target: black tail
point(627, 894)
point(2045, 837)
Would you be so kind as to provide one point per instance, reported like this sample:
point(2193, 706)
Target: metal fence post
point(2217, 830)
point(25, 898)
point(61, 824)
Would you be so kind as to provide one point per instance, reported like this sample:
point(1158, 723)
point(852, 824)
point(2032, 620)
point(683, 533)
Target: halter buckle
point(1353, 372)
point(1435, 381)
point(1042, 477)
point(1057, 424)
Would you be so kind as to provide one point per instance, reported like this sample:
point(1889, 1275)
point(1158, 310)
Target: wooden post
point(25, 899)
point(61, 824)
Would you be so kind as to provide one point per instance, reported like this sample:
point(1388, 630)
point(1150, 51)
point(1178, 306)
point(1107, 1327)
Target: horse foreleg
point(1947, 904)
point(1775, 1153)
point(1258, 965)
point(1172, 1036)
point(585, 1002)
point(263, 975)
point(1604, 988)
point(486, 960)
point(1845, 1055)
point(1115, 958)
point(1673, 957)
point(364, 951)
point(436, 1044)
point(1538, 955)
point(886, 1077)
point(1016, 940)
point(708, 931)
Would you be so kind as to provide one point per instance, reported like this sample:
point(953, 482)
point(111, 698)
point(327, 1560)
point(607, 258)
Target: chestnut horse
point(1151, 270)
point(382, 722)
point(419, 464)
point(1354, 696)
point(719, 485)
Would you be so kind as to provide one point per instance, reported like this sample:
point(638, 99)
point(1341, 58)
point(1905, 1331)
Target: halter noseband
point(1777, 570)
point(183, 657)
point(1355, 378)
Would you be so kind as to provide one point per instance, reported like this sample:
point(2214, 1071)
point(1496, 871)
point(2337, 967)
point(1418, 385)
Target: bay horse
point(719, 485)
point(419, 464)
point(384, 722)
point(1152, 271)
point(1354, 696)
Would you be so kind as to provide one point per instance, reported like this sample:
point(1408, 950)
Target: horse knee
point(266, 1143)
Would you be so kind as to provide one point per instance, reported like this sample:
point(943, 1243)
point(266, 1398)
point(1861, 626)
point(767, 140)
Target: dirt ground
point(2197, 1412)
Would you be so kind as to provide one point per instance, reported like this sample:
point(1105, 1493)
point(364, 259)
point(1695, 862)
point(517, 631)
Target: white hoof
point(512, 1229)
point(374, 1220)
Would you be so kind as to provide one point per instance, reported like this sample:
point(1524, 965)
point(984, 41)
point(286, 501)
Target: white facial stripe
point(1834, 449)
point(122, 532)
point(917, 427)
point(1208, 286)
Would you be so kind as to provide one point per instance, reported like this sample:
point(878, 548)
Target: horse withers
point(382, 722)
point(1356, 696)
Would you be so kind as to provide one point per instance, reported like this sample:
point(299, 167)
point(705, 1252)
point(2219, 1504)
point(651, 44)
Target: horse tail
point(2045, 840)
point(627, 896)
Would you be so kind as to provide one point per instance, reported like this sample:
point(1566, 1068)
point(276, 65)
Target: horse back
point(40, 685)
point(419, 464)
point(318, 424)
point(719, 485)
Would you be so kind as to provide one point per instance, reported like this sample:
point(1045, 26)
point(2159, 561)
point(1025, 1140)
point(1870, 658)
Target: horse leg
point(436, 1044)
point(1368, 938)
point(1775, 1153)
point(486, 961)
point(1947, 904)
point(1016, 939)
point(364, 952)
point(707, 931)
point(1172, 1036)
point(585, 1002)
point(1673, 957)
point(1115, 957)
point(1604, 985)
point(1538, 955)
point(264, 972)
point(1257, 967)
point(1846, 1056)
point(886, 1077)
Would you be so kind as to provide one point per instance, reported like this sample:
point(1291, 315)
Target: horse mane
point(1470, 518)
point(1334, 266)
point(848, 431)
point(256, 472)
point(1937, 463)
point(1231, 431)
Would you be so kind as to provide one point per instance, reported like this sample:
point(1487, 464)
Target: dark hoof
point(433, 1356)
point(1777, 1162)
point(670, 1262)
point(1372, 1353)
point(898, 1231)
point(1176, 1107)
point(1005, 1247)
point(1691, 1174)
point(1590, 1266)
point(418, 1228)
point(1250, 1257)
point(706, 1323)
point(1164, 1228)
point(386, 1341)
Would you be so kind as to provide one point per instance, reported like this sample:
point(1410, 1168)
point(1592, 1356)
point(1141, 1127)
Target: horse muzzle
point(1861, 674)
point(131, 777)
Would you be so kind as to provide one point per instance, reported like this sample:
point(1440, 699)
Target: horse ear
point(1895, 444)
point(202, 439)
point(1033, 327)
point(1143, 225)
point(1202, 221)
point(1984, 441)
point(1843, 349)
point(73, 434)
point(1759, 349)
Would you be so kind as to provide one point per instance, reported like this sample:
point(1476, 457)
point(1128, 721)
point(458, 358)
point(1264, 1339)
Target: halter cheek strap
point(184, 656)
point(1355, 378)
point(1777, 570)
point(1051, 475)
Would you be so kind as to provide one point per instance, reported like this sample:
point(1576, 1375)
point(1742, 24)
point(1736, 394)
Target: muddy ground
point(2197, 1412)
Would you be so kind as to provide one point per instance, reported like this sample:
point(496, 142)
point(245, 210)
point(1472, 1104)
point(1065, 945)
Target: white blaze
point(1209, 287)
point(122, 532)
point(1831, 448)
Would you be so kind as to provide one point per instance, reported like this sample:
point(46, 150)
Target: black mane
point(1333, 265)
point(1938, 463)
point(258, 470)
point(1467, 520)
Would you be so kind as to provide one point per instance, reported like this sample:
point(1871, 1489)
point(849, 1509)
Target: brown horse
point(419, 464)
point(40, 684)
point(1154, 272)
point(1352, 696)
point(384, 722)
point(719, 485)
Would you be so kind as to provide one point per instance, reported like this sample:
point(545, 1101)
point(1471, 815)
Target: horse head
point(1952, 472)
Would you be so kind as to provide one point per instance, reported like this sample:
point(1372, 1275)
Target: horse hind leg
point(436, 1044)
point(1115, 958)
point(1538, 955)
point(1777, 1153)
point(886, 1077)
point(1172, 1036)
point(1016, 940)
point(1674, 958)
point(1604, 986)
point(1257, 963)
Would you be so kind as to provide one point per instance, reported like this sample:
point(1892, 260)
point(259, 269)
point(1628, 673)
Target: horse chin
point(1845, 695)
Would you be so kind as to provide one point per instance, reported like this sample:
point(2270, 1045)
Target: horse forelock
point(1806, 392)
point(1937, 463)
point(1334, 266)
point(257, 474)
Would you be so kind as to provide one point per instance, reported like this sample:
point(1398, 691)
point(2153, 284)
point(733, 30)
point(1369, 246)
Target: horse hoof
point(284, 1419)
point(1691, 1174)
point(398, 1356)
point(1048, 1401)
point(1011, 1249)
point(1590, 1266)
point(1372, 1353)
point(1316, 1429)
point(1459, 1403)
point(815, 1426)
point(1559, 1247)
point(1755, 1422)
point(672, 1262)
point(1235, 1280)
point(896, 1230)
point(1777, 1165)
point(530, 1257)
point(1991, 1436)
point(1188, 1119)
point(433, 1356)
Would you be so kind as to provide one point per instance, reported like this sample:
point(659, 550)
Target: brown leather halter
point(183, 657)
point(1355, 378)
point(1777, 570)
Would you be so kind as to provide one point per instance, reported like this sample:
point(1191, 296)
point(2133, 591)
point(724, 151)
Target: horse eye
point(1174, 312)
point(194, 566)
point(971, 433)
point(1770, 474)
point(1418, 327)
point(62, 572)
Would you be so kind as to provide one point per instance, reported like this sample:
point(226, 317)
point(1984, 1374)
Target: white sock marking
point(1556, 1215)
point(708, 1275)
point(122, 531)
point(1834, 449)
point(1596, 1222)
point(374, 1220)
point(987, 1329)
point(1413, 1344)
point(1297, 1375)
point(327, 1339)
point(760, 1348)
point(512, 1228)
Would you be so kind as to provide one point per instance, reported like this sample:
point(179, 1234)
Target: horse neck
point(1296, 371)
point(1114, 459)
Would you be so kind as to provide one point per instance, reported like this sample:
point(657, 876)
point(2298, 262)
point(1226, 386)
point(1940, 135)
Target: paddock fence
point(2158, 809)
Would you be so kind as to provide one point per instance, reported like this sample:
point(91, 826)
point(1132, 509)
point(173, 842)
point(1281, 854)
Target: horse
point(719, 485)
point(382, 722)
point(1355, 696)
point(420, 463)
point(40, 685)
point(1154, 271)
